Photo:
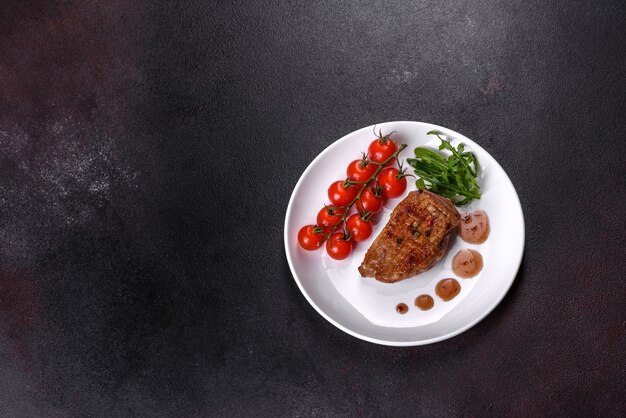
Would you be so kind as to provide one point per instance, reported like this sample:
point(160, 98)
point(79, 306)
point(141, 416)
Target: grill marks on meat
point(414, 239)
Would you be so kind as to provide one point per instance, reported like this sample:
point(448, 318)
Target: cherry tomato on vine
point(392, 181)
point(361, 170)
point(341, 192)
point(329, 216)
point(359, 228)
point(382, 148)
point(370, 201)
point(338, 246)
point(309, 238)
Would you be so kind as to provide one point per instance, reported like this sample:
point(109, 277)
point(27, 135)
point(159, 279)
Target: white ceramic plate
point(365, 308)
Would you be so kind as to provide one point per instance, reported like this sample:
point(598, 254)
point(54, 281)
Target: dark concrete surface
point(147, 155)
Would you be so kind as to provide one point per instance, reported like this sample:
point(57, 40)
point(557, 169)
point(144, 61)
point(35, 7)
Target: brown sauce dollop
point(424, 302)
point(401, 308)
point(474, 227)
point(467, 263)
point(447, 289)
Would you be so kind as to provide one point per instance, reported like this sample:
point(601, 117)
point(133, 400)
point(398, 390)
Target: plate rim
point(377, 340)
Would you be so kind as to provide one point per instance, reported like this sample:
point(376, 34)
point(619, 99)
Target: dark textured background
point(147, 155)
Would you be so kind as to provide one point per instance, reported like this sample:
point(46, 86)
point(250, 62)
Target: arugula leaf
point(453, 177)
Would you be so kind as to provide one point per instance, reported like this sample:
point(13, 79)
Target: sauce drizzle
point(474, 227)
point(424, 302)
point(401, 308)
point(467, 263)
point(447, 289)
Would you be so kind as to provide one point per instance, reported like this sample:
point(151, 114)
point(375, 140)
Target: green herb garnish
point(453, 177)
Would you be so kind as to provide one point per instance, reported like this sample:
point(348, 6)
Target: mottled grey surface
point(147, 155)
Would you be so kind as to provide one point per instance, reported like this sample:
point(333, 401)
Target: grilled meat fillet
point(414, 239)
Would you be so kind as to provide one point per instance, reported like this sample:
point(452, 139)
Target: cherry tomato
point(381, 149)
point(361, 170)
point(372, 201)
point(340, 195)
point(392, 181)
point(338, 247)
point(309, 239)
point(359, 229)
point(329, 216)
